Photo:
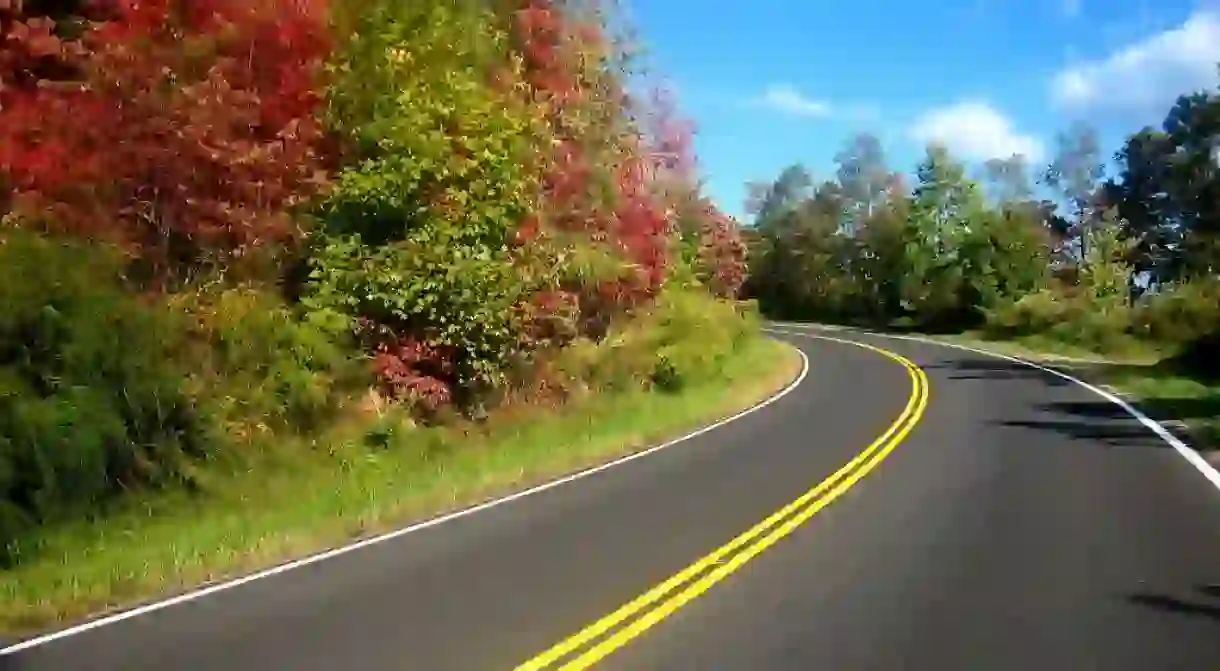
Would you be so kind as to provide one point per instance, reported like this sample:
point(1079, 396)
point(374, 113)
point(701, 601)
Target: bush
point(1179, 314)
point(1033, 314)
point(417, 253)
point(691, 336)
point(1096, 325)
point(683, 338)
point(258, 361)
point(430, 313)
point(90, 400)
point(1104, 330)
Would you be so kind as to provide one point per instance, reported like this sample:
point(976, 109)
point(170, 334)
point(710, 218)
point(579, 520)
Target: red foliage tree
point(722, 252)
point(183, 130)
point(633, 223)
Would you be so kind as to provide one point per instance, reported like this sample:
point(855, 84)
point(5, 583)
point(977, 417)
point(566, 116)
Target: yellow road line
point(754, 541)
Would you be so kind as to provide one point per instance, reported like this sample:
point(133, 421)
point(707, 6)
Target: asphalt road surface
point(1011, 521)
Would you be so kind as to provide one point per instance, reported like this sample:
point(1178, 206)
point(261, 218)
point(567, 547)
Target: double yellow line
point(598, 640)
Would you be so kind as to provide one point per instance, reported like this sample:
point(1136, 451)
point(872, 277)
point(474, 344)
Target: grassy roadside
point(1050, 351)
point(172, 543)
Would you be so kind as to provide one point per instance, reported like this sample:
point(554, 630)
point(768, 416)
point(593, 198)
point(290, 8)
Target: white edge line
point(1187, 452)
point(375, 540)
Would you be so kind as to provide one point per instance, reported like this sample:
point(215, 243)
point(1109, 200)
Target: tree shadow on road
point(986, 368)
point(1188, 408)
point(1191, 420)
point(1177, 606)
point(1119, 435)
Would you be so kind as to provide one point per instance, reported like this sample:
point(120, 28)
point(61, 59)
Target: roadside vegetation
point(1085, 257)
point(276, 273)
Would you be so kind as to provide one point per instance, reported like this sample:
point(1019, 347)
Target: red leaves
point(543, 35)
point(190, 134)
point(722, 253)
point(29, 50)
point(550, 319)
point(671, 138)
point(629, 218)
point(413, 371)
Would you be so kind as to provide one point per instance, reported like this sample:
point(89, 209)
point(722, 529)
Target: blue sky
point(771, 82)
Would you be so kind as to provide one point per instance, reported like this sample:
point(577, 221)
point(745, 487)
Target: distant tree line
point(1102, 261)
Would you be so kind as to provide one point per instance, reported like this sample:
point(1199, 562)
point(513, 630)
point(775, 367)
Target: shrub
point(1032, 314)
point(256, 360)
point(434, 315)
point(418, 254)
point(90, 401)
point(1180, 313)
point(682, 339)
point(1098, 325)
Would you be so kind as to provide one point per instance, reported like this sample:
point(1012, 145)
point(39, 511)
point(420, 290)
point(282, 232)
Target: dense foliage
point(226, 221)
point(1102, 262)
point(183, 131)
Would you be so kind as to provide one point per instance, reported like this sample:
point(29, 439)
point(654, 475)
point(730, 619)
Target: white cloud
point(787, 99)
point(1148, 74)
point(975, 131)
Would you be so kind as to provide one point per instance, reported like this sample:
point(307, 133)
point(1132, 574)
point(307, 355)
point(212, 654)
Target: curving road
point(1007, 519)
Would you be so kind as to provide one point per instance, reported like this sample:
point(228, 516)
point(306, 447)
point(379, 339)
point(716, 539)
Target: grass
point(341, 490)
point(1050, 350)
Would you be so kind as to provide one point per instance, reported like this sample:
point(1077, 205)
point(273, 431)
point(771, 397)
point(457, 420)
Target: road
point(1020, 522)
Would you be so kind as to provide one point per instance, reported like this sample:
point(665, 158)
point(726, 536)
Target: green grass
point(341, 489)
point(1050, 350)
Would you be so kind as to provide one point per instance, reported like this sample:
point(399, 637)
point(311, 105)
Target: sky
point(772, 82)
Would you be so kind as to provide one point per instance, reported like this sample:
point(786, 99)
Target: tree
point(809, 256)
point(1075, 172)
point(863, 176)
point(879, 262)
point(1167, 192)
point(943, 206)
point(1193, 127)
point(1004, 256)
point(1105, 275)
point(1008, 179)
point(767, 201)
point(1141, 194)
